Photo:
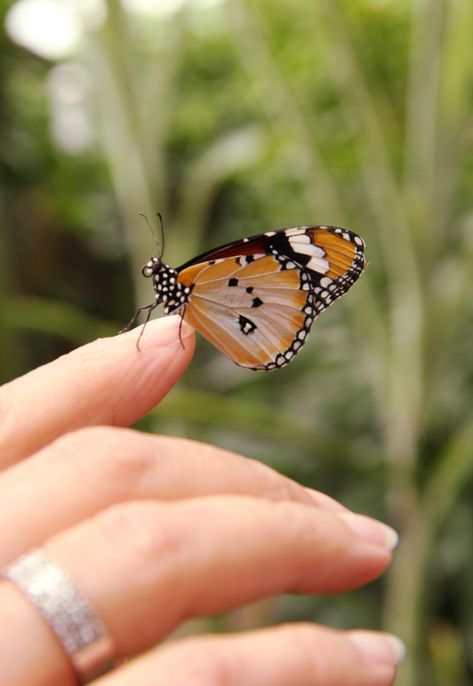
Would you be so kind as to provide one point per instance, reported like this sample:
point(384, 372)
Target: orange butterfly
point(256, 299)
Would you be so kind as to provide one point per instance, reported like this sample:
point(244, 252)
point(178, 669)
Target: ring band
point(68, 613)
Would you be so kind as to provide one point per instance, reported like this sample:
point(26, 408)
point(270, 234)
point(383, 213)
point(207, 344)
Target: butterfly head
point(168, 290)
point(153, 266)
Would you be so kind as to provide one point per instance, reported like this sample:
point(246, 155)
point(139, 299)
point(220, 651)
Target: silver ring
point(68, 613)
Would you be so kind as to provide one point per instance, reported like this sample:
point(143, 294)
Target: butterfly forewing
point(256, 299)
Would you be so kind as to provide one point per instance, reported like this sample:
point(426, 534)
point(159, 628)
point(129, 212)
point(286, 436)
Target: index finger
point(105, 382)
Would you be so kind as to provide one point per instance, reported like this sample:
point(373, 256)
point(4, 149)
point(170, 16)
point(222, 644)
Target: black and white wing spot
point(246, 325)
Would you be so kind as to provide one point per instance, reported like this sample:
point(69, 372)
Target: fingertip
point(128, 374)
point(164, 345)
point(161, 332)
point(371, 530)
point(158, 357)
point(378, 647)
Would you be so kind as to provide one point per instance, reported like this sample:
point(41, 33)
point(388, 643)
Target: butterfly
point(255, 299)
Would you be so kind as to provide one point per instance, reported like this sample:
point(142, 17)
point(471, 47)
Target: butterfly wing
point(256, 299)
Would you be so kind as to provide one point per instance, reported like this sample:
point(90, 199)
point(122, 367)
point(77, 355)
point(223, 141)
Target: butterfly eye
point(149, 268)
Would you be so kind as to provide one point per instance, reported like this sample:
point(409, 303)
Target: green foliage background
point(243, 116)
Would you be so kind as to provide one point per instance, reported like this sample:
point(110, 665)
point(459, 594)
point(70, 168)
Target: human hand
point(155, 530)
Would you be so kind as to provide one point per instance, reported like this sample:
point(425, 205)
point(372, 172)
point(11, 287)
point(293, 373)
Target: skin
point(155, 530)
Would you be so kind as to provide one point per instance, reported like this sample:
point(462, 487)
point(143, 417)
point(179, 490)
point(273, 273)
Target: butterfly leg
point(132, 321)
point(149, 309)
point(180, 327)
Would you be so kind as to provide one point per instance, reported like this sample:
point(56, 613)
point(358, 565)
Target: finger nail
point(370, 530)
point(381, 648)
point(325, 502)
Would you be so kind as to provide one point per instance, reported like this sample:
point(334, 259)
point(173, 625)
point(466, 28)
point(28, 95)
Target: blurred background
point(233, 117)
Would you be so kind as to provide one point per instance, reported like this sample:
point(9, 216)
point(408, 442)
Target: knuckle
point(126, 469)
point(300, 521)
point(125, 461)
point(271, 484)
point(118, 460)
point(142, 530)
point(280, 487)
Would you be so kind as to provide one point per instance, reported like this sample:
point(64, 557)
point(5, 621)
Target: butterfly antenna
point(159, 243)
point(163, 234)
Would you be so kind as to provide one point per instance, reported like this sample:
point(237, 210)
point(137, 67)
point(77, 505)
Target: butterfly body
point(256, 299)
